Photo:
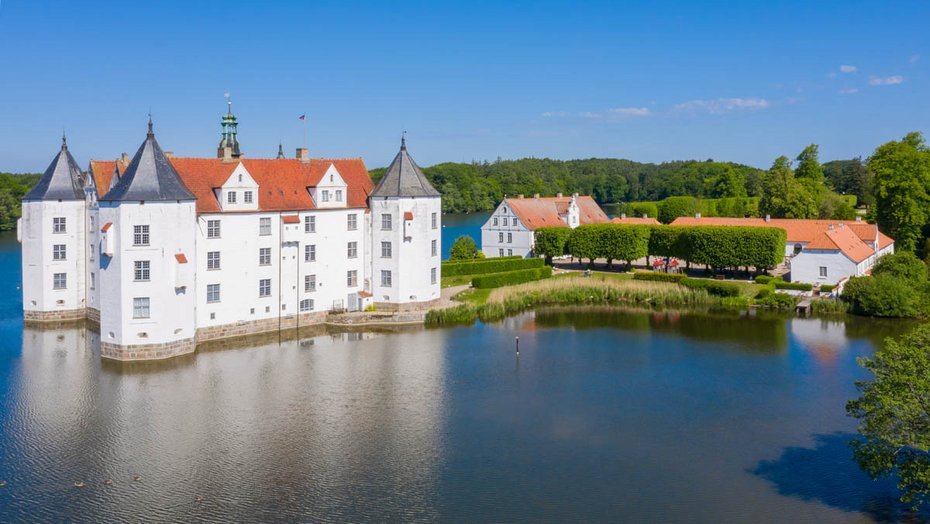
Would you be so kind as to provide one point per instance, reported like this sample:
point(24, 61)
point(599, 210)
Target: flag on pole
point(302, 117)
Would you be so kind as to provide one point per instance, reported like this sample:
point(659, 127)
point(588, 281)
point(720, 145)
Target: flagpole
point(306, 124)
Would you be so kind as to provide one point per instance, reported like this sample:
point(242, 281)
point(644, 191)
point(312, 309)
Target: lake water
point(455, 225)
point(605, 416)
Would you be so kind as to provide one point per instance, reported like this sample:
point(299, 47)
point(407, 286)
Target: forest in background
point(12, 189)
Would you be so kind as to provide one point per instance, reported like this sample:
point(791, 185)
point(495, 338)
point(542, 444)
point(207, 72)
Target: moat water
point(607, 416)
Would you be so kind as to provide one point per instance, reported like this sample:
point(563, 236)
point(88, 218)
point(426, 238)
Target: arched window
point(797, 248)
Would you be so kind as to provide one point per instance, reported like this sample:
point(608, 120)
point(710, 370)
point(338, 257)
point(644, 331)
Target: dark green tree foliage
point(674, 207)
point(903, 265)
point(670, 241)
point(583, 242)
point(783, 196)
point(551, 242)
point(12, 189)
point(883, 296)
point(851, 177)
point(902, 189)
point(894, 415)
point(623, 242)
point(639, 209)
point(464, 248)
point(734, 247)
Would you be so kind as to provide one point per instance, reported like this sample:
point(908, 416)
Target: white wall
point(412, 257)
point(805, 267)
point(517, 239)
point(38, 265)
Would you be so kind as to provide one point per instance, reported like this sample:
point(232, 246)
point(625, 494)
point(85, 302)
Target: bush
point(464, 248)
point(778, 301)
point(882, 296)
point(551, 242)
point(796, 286)
point(677, 206)
point(490, 265)
point(826, 288)
point(904, 265)
point(765, 292)
point(638, 209)
point(765, 279)
point(658, 277)
point(720, 289)
point(508, 278)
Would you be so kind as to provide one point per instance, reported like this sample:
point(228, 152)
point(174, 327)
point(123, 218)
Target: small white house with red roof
point(510, 229)
point(817, 251)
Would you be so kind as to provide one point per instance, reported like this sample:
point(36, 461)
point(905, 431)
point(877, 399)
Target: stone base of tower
point(147, 351)
point(54, 316)
point(407, 306)
point(275, 324)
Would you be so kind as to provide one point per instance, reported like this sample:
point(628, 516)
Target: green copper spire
point(230, 126)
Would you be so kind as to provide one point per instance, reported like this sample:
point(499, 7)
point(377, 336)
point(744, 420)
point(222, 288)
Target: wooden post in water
point(517, 341)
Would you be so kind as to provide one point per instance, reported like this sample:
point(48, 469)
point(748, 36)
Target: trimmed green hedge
point(714, 287)
point(490, 265)
point(826, 288)
point(766, 279)
point(797, 286)
point(551, 242)
point(508, 278)
point(611, 241)
point(658, 277)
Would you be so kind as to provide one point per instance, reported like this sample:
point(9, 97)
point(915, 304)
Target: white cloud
point(848, 68)
point(629, 111)
point(885, 80)
point(723, 105)
point(550, 114)
point(848, 91)
point(617, 113)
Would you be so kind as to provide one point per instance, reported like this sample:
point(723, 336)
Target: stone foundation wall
point(54, 316)
point(240, 329)
point(147, 351)
point(93, 314)
point(407, 306)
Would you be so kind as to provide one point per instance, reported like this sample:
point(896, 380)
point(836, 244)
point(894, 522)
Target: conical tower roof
point(62, 180)
point(404, 178)
point(149, 176)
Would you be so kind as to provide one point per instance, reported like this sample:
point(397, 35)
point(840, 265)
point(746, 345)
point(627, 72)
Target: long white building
point(167, 252)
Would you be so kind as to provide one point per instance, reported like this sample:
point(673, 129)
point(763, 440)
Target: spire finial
point(403, 141)
point(64, 140)
point(228, 104)
point(280, 150)
point(151, 132)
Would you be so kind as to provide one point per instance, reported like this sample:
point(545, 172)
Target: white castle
point(166, 252)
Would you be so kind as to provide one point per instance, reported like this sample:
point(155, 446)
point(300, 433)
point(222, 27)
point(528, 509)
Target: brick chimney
point(622, 216)
point(303, 154)
point(558, 195)
point(520, 196)
point(536, 196)
point(768, 218)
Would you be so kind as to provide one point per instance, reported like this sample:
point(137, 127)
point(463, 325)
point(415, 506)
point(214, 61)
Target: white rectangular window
point(386, 250)
point(264, 256)
point(140, 235)
point(247, 197)
point(231, 197)
point(213, 292)
point(306, 304)
point(309, 283)
point(500, 252)
point(213, 229)
point(433, 248)
point(91, 252)
point(309, 224)
point(434, 220)
point(506, 220)
point(510, 252)
point(213, 259)
point(432, 275)
point(310, 253)
point(60, 281)
point(264, 226)
point(264, 287)
point(140, 271)
point(59, 252)
point(325, 195)
point(510, 238)
point(352, 249)
point(352, 222)
point(93, 280)
point(495, 221)
point(386, 222)
point(500, 238)
point(385, 278)
point(140, 307)
point(338, 195)
point(352, 278)
point(823, 271)
point(59, 225)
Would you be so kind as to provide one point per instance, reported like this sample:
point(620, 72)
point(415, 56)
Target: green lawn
point(457, 280)
point(473, 296)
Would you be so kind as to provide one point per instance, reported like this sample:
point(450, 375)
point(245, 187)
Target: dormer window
point(325, 195)
point(231, 197)
point(338, 195)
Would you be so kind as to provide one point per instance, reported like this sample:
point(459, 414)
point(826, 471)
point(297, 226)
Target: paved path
point(446, 301)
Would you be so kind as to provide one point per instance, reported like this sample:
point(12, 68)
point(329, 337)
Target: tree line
point(13, 187)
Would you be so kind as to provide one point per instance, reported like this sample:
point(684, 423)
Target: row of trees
point(12, 189)
point(713, 246)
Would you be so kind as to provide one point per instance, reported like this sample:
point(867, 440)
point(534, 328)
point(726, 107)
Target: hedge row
point(682, 206)
point(508, 278)
point(490, 265)
point(766, 279)
point(714, 246)
point(826, 288)
point(714, 287)
point(797, 286)
point(656, 276)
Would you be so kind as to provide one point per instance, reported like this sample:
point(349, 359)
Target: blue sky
point(468, 81)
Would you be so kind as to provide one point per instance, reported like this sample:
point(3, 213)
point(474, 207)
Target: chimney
point(124, 159)
point(858, 219)
point(645, 215)
point(830, 227)
point(768, 218)
point(697, 215)
point(520, 196)
point(536, 196)
point(558, 195)
point(303, 154)
point(574, 195)
point(169, 154)
point(622, 216)
point(226, 153)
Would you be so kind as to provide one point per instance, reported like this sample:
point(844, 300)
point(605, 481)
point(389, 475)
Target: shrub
point(720, 289)
point(778, 301)
point(882, 296)
point(677, 206)
point(796, 286)
point(490, 265)
point(508, 278)
point(826, 288)
point(904, 265)
point(658, 277)
point(464, 248)
point(764, 279)
point(764, 292)
point(551, 242)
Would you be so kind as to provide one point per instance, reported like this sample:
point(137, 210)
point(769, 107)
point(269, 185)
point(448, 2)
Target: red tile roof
point(102, 171)
point(290, 219)
point(635, 220)
point(282, 182)
point(180, 258)
point(844, 239)
point(408, 215)
point(545, 212)
point(106, 226)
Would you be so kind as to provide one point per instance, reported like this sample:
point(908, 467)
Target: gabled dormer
point(239, 192)
point(331, 191)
